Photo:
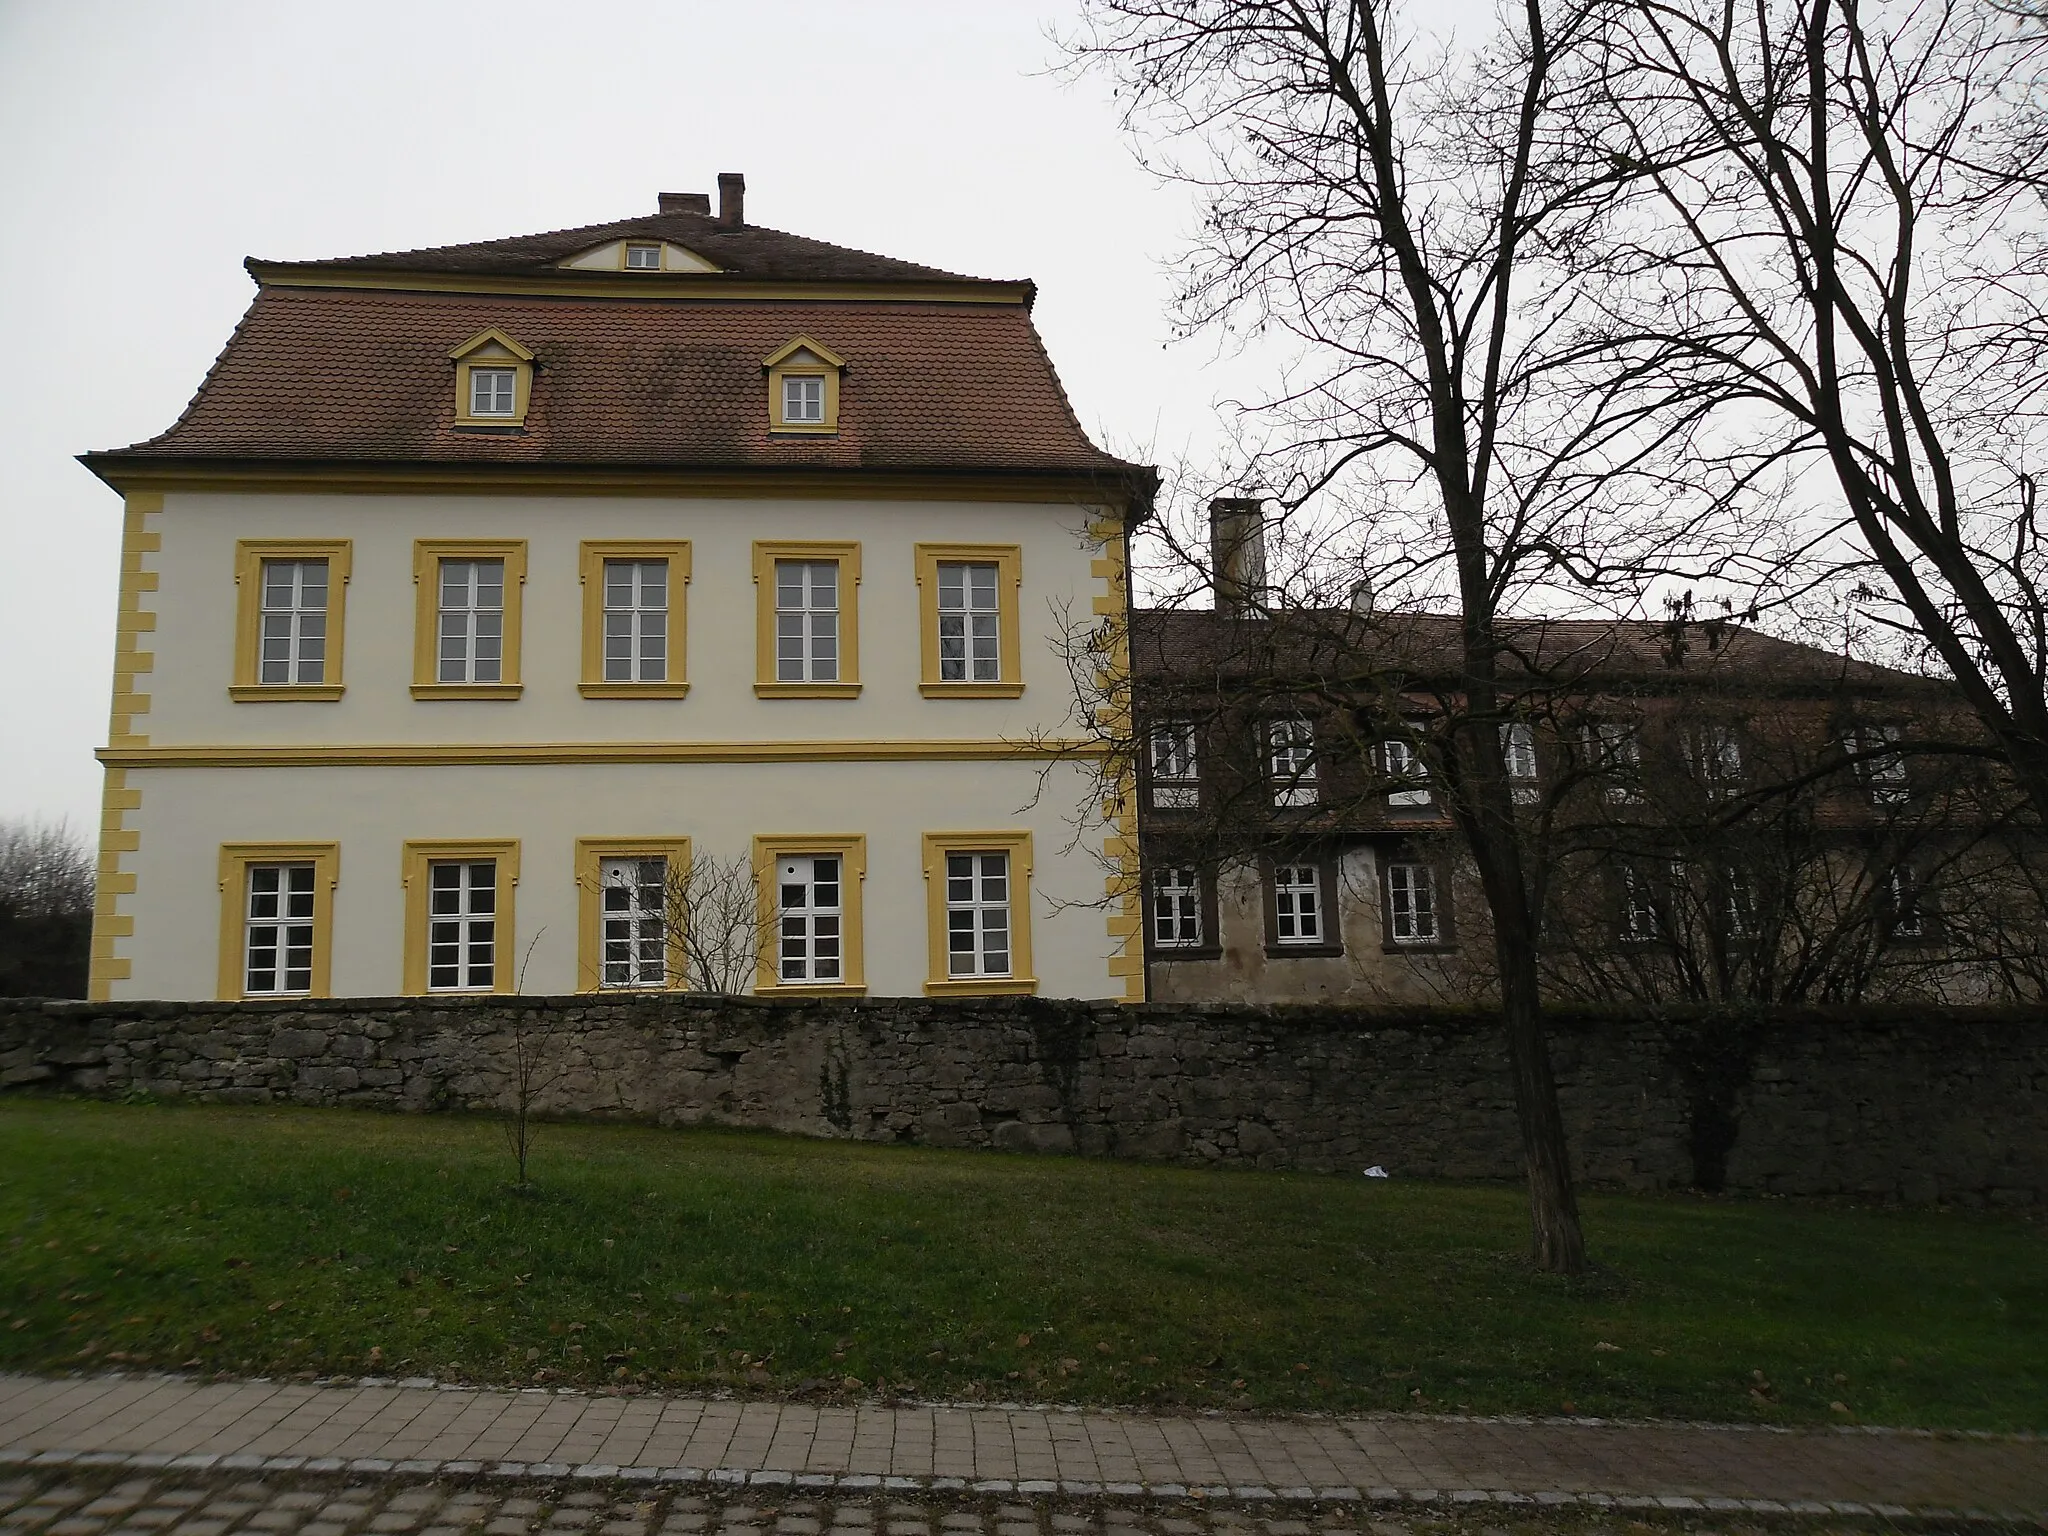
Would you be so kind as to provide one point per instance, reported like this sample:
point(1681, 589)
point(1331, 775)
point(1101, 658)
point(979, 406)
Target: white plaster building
point(481, 589)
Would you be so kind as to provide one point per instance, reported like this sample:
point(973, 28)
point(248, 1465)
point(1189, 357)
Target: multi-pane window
point(277, 929)
point(810, 918)
point(1614, 750)
point(1297, 904)
point(1717, 757)
point(292, 620)
point(1291, 760)
point(803, 399)
point(1411, 904)
point(1881, 768)
point(1175, 784)
point(1176, 907)
point(1518, 750)
point(977, 914)
point(634, 913)
point(1738, 903)
point(1407, 773)
point(635, 621)
point(807, 621)
point(969, 648)
point(462, 925)
point(1638, 905)
point(472, 628)
point(643, 258)
point(1904, 904)
point(490, 391)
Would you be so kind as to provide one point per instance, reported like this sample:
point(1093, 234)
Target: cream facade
point(212, 770)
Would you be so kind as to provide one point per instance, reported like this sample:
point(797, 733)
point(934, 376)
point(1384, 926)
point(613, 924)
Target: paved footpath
point(758, 1450)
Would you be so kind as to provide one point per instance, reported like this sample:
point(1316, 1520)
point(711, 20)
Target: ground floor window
point(1177, 907)
point(635, 932)
point(1412, 916)
point(277, 930)
point(810, 918)
point(1297, 904)
point(462, 925)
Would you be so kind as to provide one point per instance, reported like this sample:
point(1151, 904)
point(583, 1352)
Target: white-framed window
point(1177, 907)
point(1614, 750)
point(1905, 904)
point(292, 633)
point(970, 649)
point(1291, 760)
point(1882, 769)
point(1297, 904)
point(1175, 773)
point(636, 621)
point(1638, 905)
point(634, 908)
point(1412, 904)
point(1518, 750)
point(643, 258)
point(803, 399)
point(490, 391)
point(807, 621)
point(472, 634)
point(810, 918)
point(462, 925)
point(1717, 757)
point(1738, 902)
point(277, 930)
point(977, 914)
point(1407, 774)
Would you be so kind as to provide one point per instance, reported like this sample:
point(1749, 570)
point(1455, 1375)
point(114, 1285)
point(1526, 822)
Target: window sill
point(814, 989)
point(780, 429)
point(285, 693)
point(1171, 952)
point(466, 690)
point(1390, 947)
point(807, 690)
point(971, 690)
point(983, 986)
point(1304, 951)
point(492, 423)
point(631, 690)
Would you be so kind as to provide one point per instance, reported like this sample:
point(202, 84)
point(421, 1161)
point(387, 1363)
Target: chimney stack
point(685, 202)
point(1237, 551)
point(732, 198)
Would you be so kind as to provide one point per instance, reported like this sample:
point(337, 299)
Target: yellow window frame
point(1009, 562)
point(593, 554)
point(492, 349)
point(591, 852)
point(427, 555)
point(852, 851)
point(418, 855)
point(247, 686)
point(235, 859)
point(847, 557)
point(1021, 981)
point(803, 358)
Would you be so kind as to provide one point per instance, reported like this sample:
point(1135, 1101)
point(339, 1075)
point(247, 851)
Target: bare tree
point(46, 900)
point(703, 922)
point(1835, 207)
point(1399, 215)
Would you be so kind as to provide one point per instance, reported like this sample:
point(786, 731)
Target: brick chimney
point(732, 198)
point(1237, 551)
point(685, 202)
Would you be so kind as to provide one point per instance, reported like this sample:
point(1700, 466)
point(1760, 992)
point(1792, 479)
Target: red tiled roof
point(338, 374)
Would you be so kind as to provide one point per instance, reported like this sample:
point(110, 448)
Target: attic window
point(643, 258)
point(803, 399)
point(491, 391)
point(493, 381)
point(803, 387)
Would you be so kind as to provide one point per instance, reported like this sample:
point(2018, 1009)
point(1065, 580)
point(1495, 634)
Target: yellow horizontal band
point(450, 754)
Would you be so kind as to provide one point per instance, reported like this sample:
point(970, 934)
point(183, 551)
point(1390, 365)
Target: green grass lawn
point(273, 1241)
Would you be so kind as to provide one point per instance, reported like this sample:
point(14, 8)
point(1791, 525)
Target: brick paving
point(168, 1426)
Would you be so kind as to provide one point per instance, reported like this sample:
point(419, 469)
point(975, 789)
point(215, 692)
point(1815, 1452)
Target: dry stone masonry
point(1894, 1104)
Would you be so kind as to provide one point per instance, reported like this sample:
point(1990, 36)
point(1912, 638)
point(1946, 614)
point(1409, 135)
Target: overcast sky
point(150, 147)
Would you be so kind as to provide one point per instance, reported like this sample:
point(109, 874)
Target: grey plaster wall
point(1916, 1105)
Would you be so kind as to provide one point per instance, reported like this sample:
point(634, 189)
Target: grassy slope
point(267, 1240)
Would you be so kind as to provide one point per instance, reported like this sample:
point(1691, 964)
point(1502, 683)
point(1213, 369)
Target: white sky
point(151, 146)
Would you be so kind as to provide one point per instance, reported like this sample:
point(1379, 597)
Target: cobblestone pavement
point(762, 1450)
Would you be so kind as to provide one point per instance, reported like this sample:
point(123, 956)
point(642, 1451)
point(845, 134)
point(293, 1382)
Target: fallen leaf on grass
point(1605, 1348)
point(274, 1306)
point(1023, 1341)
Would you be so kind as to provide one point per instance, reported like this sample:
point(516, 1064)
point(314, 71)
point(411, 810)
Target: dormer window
point(493, 381)
point(803, 387)
point(643, 258)
point(490, 391)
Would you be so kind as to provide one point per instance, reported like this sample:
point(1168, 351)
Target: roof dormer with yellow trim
point(493, 381)
point(649, 255)
point(803, 387)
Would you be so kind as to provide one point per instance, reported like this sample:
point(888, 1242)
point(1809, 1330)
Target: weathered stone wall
point(1894, 1104)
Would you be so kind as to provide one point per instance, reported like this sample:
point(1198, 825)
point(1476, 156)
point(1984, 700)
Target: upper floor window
point(466, 642)
point(1518, 751)
point(472, 630)
point(288, 620)
point(293, 639)
point(636, 621)
point(643, 258)
point(1717, 758)
point(1291, 759)
point(1175, 782)
point(1407, 773)
point(807, 638)
point(969, 594)
point(1880, 767)
point(633, 627)
point(490, 391)
point(969, 647)
point(1614, 751)
point(807, 621)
